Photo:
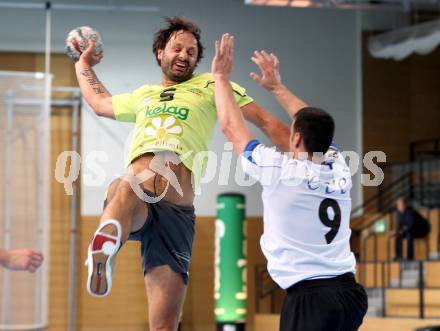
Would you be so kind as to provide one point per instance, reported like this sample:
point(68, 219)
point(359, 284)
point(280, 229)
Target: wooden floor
point(270, 322)
point(396, 324)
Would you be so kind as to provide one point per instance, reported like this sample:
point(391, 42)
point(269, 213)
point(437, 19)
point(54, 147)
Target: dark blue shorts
point(167, 237)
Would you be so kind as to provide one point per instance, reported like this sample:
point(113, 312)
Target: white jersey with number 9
point(306, 214)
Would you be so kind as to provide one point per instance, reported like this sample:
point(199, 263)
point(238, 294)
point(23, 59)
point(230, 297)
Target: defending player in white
point(306, 199)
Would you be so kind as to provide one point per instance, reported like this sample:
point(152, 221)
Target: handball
point(77, 42)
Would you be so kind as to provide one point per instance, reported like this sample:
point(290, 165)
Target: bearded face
point(178, 59)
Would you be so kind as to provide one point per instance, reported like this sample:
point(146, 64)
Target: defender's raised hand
point(270, 79)
point(269, 65)
point(224, 53)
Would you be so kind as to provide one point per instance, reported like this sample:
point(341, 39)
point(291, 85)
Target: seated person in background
point(21, 259)
point(410, 225)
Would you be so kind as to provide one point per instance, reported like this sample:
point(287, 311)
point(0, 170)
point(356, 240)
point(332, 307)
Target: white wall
point(318, 49)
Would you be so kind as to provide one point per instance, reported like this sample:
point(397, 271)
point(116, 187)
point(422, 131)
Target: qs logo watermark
point(223, 169)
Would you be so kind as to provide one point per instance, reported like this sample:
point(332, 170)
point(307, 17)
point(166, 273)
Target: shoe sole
point(99, 282)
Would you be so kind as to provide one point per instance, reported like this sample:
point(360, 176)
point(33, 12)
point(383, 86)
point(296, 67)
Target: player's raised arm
point(92, 89)
point(270, 79)
point(229, 114)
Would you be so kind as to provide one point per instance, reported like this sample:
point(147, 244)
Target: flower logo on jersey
point(160, 129)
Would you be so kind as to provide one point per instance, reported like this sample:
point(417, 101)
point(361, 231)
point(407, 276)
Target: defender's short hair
point(316, 127)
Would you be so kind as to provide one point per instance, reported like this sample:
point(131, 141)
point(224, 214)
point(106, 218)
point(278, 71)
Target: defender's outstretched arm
point(229, 114)
point(270, 79)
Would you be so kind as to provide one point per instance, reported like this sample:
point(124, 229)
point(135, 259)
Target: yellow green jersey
point(178, 118)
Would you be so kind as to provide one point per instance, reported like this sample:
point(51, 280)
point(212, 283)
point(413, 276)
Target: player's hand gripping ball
point(78, 40)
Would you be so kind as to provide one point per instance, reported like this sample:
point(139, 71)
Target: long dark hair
point(175, 24)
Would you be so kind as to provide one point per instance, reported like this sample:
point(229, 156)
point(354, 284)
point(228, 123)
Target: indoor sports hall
point(372, 65)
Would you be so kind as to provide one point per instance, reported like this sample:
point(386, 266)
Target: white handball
point(77, 42)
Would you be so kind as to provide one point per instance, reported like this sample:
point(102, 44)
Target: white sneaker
point(100, 256)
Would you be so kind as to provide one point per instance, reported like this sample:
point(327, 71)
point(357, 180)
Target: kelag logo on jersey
point(181, 113)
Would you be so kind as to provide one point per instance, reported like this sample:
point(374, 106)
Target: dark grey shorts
point(167, 237)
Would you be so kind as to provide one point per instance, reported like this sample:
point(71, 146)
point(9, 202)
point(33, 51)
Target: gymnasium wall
point(61, 138)
point(306, 42)
point(407, 92)
point(319, 55)
point(127, 299)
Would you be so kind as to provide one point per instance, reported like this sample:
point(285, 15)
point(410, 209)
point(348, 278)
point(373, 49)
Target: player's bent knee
point(170, 327)
point(125, 191)
point(114, 184)
point(112, 188)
